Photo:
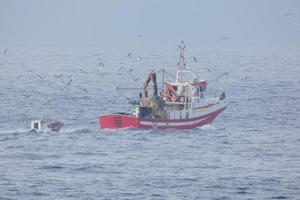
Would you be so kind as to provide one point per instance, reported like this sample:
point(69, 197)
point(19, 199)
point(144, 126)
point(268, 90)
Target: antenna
point(181, 63)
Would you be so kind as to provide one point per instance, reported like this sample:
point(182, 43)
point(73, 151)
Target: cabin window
point(202, 88)
point(145, 112)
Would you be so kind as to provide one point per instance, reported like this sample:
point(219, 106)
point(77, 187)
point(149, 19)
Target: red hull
point(115, 121)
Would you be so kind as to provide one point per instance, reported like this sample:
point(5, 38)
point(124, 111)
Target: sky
point(150, 22)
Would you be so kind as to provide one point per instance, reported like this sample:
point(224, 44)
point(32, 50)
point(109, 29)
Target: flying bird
point(69, 83)
point(245, 78)
point(135, 79)
point(27, 95)
point(195, 59)
point(83, 71)
point(223, 39)
point(208, 70)
point(101, 65)
point(223, 74)
point(288, 14)
point(58, 76)
point(85, 90)
point(120, 69)
point(49, 101)
point(19, 76)
point(41, 77)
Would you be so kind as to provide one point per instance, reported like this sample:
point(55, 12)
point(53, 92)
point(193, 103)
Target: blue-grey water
point(251, 151)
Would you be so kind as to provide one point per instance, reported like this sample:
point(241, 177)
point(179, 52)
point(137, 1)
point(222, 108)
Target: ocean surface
point(251, 151)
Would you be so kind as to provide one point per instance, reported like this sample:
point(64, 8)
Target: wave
point(14, 131)
point(207, 127)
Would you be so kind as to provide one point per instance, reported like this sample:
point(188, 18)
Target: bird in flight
point(58, 76)
point(100, 65)
point(81, 70)
point(288, 14)
point(69, 83)
point(41, 77)
point(223, 39)
point(121, 68)
point(27, 95)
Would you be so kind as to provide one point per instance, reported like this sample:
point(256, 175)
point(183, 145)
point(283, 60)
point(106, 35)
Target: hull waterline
point(116, 121)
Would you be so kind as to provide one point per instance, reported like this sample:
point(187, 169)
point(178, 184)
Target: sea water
point(251, 151)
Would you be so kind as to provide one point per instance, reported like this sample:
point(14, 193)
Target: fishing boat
point(182, 104)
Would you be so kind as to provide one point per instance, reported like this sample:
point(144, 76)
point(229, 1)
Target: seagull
point(135, 79)
point(85, 90)
point(27, 95)
point(120, 69)
point(58, 76)
point(19, 76)
point(131, 69)
point(288, 14)
point(69, 83)
point(48, 101)
point(103, 74)
point(223, 74)
point(195, 59)
point(36, 92)
point(223, 38)
point(101, 65)
point(208, 70)
point(83, 71)
point(41, 76)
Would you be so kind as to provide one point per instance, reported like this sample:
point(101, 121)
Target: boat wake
point(75, 130)
point(62, 131)
point(207, 127)
point(13, 131)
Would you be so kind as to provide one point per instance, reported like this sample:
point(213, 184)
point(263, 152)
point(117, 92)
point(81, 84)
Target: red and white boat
point(182, 104)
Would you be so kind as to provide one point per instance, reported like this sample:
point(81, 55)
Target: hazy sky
point(151, 22)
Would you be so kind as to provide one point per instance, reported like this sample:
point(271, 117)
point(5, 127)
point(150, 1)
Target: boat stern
point(115, 121)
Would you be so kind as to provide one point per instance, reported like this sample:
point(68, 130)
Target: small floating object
point(46, 125)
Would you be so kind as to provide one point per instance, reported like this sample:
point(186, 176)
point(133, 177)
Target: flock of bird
point(68, 81)
point(121, 69)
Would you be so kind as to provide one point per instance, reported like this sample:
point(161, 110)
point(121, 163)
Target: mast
point(181, 63)
point(163, 80)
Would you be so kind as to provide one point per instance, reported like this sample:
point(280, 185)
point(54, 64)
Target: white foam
point(12, 131)
point(208, 127)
